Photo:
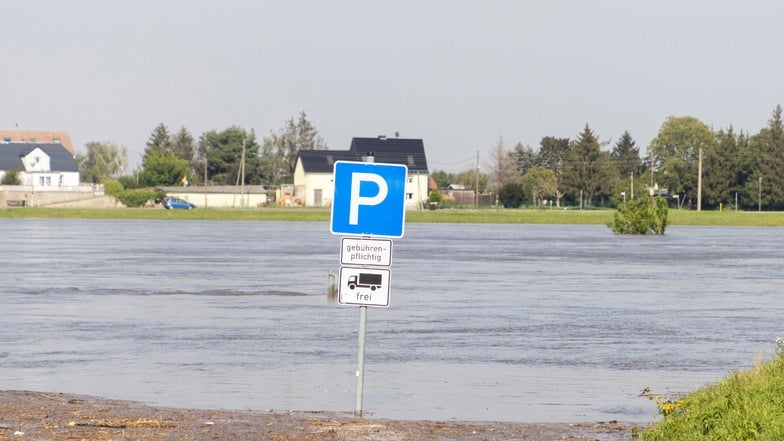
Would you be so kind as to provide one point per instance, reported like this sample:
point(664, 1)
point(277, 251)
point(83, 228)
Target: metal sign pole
point(360, 361)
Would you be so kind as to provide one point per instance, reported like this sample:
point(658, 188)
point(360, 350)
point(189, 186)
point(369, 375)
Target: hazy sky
point(455, 73)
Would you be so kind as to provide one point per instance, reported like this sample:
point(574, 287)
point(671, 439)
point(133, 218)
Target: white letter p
point(357, 200)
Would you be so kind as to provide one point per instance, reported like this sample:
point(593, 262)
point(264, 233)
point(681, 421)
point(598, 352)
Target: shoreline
point(53, 416)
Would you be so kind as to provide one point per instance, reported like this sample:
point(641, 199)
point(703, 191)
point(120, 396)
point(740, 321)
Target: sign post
point(369, 201)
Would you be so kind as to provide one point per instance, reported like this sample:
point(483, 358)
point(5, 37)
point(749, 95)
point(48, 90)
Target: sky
point(457, 74)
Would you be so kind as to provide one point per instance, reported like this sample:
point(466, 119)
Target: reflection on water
point(487, 322)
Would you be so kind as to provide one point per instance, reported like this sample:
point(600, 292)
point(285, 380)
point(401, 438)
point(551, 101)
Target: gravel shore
point(39, 416)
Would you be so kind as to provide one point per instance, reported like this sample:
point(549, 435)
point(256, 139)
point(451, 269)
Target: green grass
point(746, 405)
point(485, 215)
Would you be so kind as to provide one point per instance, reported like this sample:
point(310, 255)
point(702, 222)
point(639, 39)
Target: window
point(410, 180)
point(411, 162)
point(56, 141)
point(32, 140)
point(6, 140)
point(409, 196)
point(41, 180)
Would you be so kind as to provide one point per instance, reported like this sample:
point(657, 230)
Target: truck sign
point(363, 286)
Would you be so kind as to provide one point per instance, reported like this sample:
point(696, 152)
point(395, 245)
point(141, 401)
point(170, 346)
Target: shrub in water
point(641, 216)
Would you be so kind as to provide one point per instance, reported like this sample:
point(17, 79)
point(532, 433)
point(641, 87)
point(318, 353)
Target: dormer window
point(411, 162)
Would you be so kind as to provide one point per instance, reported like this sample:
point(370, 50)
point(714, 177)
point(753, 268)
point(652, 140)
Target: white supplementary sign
point(369, 199)
point(360, 251)
point(363, 286)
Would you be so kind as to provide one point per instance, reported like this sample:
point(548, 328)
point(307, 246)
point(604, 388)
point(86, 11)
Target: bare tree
point(503, 168)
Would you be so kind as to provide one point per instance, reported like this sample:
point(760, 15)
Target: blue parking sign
point(369, 199)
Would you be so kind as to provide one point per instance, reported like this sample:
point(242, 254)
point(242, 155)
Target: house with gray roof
point(41, 166)
point(313, 184)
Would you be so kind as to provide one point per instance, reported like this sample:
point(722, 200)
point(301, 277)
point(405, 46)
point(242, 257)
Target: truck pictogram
point(365, 280)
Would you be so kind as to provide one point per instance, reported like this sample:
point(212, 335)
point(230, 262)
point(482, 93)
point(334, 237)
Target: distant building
point(41, 166)
point(220, 196)
point(313, 185)
point(37, 136)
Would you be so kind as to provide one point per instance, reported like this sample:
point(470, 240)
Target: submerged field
point(487, 215)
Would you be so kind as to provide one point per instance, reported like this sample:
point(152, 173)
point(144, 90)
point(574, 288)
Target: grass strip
point(475, 216)
point(746, 405)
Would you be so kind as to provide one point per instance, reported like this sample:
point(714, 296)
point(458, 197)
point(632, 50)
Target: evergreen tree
point(524, 157)
point(183, 145)
point(223, 153)
point(770, 164)
point(626, 156)
point(160, 141)
point(587, 169)
point(721, 169)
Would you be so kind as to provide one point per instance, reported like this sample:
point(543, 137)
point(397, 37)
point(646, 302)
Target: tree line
point(737, 169)
point(217, 157)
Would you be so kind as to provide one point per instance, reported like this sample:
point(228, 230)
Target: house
point(37, 136)
point(313, 184)
point(41, 166)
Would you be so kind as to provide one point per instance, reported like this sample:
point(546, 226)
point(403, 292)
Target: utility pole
point(759, 196)
point(699, 182)
point(476, 192)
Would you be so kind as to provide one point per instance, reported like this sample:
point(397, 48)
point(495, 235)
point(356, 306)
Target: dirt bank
point(59, 417)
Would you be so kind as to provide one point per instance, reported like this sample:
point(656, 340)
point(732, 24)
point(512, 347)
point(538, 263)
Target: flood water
point(486, 322)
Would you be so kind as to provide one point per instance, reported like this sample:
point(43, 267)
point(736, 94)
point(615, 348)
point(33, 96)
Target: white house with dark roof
point(41, 166)
point(313, 185)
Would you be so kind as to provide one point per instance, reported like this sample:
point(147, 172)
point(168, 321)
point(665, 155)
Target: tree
point(511, 195)
point(223, 153)
point(503, 169)
point(770, 164)
point(675, 151)
point(103, 160)
point(468, 179)
point(183, 145)
point(160, 141)
point(539, 183)
point(524, 158)
point(646, 215)
point(163, 169)
point(442, 178)
point(280, 148)
point(626, 156)
point(552, 154)
point(721, 169)
point(588, 170)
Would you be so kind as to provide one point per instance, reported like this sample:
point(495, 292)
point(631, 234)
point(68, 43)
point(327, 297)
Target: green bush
point(511, 195)
point(136, 197)
point(112, 187)
point(641, 216)
point(130, 198)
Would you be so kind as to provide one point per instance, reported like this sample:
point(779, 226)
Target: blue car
point(171, 203)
